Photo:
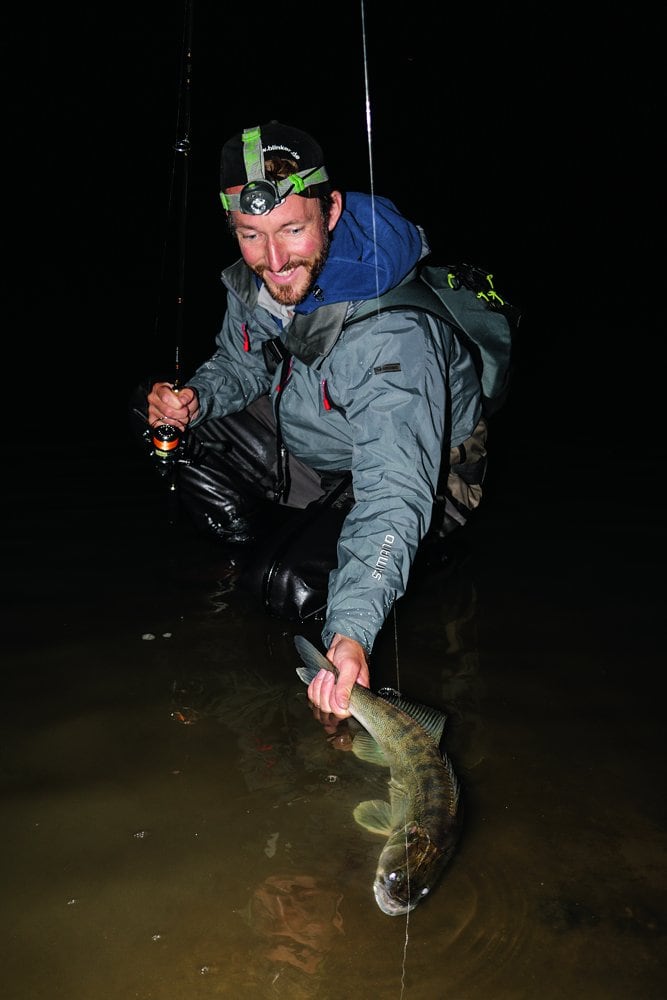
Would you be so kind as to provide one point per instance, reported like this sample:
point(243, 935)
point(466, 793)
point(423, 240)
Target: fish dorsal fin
point(430, 719)
point(375, 816)
point(368, 749)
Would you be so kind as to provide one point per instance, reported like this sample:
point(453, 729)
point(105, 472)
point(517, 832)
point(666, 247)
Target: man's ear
point(336, 208)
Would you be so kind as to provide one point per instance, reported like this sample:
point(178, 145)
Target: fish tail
point(314, 660)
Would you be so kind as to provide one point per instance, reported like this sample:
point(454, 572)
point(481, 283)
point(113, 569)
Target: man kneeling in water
point(308, 409)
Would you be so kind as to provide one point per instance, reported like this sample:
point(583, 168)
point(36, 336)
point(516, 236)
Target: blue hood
point(367, 256)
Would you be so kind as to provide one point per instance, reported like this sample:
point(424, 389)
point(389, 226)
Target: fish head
point(408, 867)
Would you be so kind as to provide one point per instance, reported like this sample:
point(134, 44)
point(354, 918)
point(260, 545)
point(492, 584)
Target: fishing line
point(398, 673)
point(371, 172)
point(407, 866)
point(369, 137)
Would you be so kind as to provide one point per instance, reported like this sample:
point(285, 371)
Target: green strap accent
point(492, 294)
point(491, 297)
point(294, 184)
point(252, 153)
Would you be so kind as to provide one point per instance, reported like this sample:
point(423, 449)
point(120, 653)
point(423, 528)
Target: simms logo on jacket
point(383, 558)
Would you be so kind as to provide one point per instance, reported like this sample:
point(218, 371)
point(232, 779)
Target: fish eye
point(424, 891)
point(392, 876)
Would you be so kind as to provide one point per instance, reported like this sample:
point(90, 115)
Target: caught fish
point(422, 821)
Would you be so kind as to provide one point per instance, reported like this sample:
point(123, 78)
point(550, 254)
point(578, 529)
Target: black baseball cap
point(276, 138)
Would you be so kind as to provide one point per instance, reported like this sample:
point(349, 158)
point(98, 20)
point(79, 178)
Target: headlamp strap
point(252, 153)
point(296, 183)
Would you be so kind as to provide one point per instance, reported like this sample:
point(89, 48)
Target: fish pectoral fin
point(374, 816)
point(367, 749)
point(399, 802)
point(397, 790)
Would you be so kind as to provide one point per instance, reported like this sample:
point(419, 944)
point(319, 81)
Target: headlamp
point(260, 195)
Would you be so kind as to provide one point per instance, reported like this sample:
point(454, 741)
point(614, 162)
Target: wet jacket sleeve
point(396, 407)
point(236, 374)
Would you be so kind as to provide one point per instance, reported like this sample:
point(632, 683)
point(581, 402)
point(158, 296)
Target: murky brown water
point(177, 825)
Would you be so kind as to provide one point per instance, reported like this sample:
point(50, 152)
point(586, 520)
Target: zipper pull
point(288, 364)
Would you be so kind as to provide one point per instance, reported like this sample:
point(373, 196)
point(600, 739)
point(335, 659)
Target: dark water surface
point(177, 825)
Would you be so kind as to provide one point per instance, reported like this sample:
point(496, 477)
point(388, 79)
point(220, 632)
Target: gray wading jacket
point(385, 397)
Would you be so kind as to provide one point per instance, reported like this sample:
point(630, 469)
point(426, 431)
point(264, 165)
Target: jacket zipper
point(284, 482)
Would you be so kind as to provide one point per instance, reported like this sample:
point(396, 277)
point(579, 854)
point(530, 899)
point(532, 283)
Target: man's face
point(287, 248)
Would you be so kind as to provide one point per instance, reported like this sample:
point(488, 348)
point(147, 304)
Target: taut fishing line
point(369, 136)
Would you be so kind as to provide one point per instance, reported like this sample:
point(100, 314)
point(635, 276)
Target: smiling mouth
point(282, 277)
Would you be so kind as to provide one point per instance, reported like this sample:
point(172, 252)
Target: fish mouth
point(389, 905)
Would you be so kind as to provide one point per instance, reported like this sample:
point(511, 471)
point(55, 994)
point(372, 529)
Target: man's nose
point(276, 255)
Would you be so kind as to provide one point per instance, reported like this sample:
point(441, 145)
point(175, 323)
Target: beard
point(292, 295)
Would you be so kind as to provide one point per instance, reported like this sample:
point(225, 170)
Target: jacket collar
point(308, 337)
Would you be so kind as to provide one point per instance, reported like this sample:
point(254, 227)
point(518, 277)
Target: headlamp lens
point(259, 197)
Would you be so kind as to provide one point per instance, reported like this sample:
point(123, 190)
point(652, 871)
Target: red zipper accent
point(284, 380)
point(326, 402)
point(246, 338)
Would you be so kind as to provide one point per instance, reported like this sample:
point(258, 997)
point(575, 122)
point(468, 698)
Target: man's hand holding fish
point(331, 692)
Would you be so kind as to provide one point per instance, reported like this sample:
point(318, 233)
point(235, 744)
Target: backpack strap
point(465, 299)
point(411, 293)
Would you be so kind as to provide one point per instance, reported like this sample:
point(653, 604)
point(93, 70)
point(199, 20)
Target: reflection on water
point(297, 919)
point(177, 825)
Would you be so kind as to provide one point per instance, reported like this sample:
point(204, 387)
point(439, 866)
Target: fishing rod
point(167, 439)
